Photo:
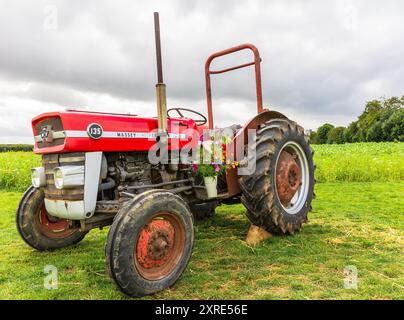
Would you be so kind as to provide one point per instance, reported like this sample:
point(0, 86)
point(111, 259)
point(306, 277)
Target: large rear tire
point(150, 243)
point(40, 230)
point(279, 193)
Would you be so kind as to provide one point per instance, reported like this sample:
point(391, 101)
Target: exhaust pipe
point(160, 86)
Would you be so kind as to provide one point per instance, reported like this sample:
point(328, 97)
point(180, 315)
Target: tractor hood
point(75, 131)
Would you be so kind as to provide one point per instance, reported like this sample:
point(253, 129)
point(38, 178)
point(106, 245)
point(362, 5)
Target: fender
point(240, 139)
point(256, 121)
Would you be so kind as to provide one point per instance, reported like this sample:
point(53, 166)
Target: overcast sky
point(321, 60)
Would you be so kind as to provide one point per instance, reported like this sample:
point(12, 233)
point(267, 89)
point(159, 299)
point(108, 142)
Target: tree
point(393, 103)
point(393, 127)
point(351, 134)
point(382, 120)
point(312, 136)
point(336, 135)
point(375, 132)
point(376, 113)
point(369, 117)
point(322, 133)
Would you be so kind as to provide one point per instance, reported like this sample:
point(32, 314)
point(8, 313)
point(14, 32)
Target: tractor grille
point(51, 161)
point(55, 125)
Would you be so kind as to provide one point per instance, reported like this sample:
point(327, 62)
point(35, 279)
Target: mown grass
point(356, 162)
point(360, 224)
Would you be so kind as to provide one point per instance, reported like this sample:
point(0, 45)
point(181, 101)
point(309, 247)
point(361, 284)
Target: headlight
point(68, 177)
point(38, 177)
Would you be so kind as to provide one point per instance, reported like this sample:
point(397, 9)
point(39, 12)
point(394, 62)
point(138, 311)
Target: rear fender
point(240, 140)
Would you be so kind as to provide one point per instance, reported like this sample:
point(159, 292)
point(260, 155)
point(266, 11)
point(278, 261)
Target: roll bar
point(208, 72)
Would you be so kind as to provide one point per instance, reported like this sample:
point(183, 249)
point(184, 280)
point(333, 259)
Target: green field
point(358, 224)
point(357, 220)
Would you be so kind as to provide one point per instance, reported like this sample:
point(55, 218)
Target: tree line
point(382, 120)
point(16, 147)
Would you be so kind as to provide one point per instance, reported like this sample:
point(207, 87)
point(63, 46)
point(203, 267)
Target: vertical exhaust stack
point(160, 86)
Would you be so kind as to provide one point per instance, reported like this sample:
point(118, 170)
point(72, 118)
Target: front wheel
point(150, 243)
point(39, 229)
point(278, 194)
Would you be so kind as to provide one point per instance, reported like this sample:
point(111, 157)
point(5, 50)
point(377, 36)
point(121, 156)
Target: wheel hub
point(155, 244)
point(288, 177)
point(158, 244)
point(53, 227)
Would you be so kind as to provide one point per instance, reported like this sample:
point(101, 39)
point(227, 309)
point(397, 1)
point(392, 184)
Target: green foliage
point(369, 117)
point(209, 170)
point(322, 133)
point(382, 120)
point(16, 147)
point(336, 135)
point(393, 127)
point(312, 136)
point(375, 132)
point(351, 134)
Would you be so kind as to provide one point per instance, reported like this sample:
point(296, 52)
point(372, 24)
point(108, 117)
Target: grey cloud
point(321, 59)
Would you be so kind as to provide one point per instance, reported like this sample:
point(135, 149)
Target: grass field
point(358, 219)
point(360, 224)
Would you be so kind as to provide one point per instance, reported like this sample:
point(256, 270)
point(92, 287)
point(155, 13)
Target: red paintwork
point(79, 120)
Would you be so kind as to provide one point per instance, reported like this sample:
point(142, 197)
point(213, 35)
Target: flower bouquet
point(212, 163)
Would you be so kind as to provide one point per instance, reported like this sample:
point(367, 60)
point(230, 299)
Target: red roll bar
point(208, 72)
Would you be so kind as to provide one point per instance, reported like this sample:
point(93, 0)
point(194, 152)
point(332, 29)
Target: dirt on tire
point(43, 235)
point(123, 263)
point(259, 194)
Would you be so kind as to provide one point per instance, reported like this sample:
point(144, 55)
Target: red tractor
point(96, 171)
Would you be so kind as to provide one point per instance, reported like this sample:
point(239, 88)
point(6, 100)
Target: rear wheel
point(39, 229)
point(150, 243)
point(278, 194)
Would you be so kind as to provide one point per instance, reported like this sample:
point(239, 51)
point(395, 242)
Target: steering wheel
point(199, 122)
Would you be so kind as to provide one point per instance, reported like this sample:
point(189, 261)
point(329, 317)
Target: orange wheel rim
point(159, 246)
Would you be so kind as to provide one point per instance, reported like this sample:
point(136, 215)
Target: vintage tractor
point(96, 171)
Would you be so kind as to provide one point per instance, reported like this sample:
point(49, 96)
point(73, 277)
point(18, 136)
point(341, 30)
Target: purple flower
point(194, 167)
point(217, 167)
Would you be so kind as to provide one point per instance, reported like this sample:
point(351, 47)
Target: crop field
point(357, 222)
point(352, 162)
point(359, 162)
point(15, 169)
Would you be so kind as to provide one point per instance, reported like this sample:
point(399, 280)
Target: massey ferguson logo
point(46, 133)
